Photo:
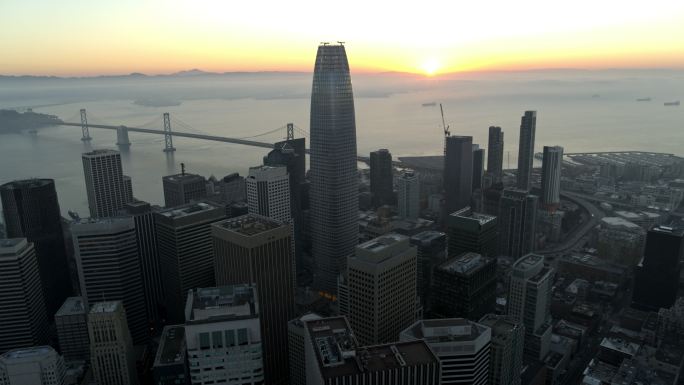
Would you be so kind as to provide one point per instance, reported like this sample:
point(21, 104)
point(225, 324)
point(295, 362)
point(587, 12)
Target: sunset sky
point(79, 37)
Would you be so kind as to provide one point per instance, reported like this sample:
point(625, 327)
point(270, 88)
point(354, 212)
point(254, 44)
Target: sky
point(94, 37)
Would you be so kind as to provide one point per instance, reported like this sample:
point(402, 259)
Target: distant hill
point(13, 121)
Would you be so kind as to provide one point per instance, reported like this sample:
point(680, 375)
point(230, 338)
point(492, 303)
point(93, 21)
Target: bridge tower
point(290, 131)
point(84, 126)
point(168, 138)
point(122, 136)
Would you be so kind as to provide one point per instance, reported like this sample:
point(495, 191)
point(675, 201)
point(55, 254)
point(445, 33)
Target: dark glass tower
point(381, 185)
point(458, 173)
point(528, 127)
point(495, 157)
point(31, 211)
point(333, 173)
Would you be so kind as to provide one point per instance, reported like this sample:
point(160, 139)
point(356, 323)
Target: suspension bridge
point(122, 138)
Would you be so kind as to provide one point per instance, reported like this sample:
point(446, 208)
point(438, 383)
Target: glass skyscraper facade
point(333, 169)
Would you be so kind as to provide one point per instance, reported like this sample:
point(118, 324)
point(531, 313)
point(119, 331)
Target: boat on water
point(644, 100)
point(431, 104)
point(675, 103)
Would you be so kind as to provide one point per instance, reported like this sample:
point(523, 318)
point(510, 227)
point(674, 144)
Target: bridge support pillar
point(84, 126)
point(122, 136)
point(290, 131)
point(168, 138)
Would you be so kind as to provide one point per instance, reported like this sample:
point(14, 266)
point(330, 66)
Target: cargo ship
point(431, 104)
point(644, 100)
point(675, 103)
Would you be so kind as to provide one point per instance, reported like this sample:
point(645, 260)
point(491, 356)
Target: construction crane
point(446, 128)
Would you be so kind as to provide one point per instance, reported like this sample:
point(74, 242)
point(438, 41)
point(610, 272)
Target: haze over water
point(579, 110)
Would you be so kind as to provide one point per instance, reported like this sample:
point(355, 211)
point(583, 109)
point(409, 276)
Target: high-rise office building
point(292, 154)
point(111, 346)
point(517, 223)
point(104, 181)
point(183, 188)
point(333, 356)
point(72, 330)
point(171, 361)
point(233, 188)
point(430, 252)
point(223, 337)
point(529, 302)
point(148, 256)
point(381, 184)
point(268, 192)
point(656, 278)
point(496, 152)
point(528, 127)
point(31, 211)
point(186, 254)
point(24, 316)
point(257, 250)
point(39, 365)
point(478, 167)
point(106, 252)
point(296, 334)
point(458, 172)
point(408, 187)
point(551, 177)
point(468, 231)
point(333, 169)
point(505, 359)
point(464, 287)
point(382, 288)
point(461, 346)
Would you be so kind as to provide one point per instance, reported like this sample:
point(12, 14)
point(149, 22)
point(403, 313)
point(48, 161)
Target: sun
point(430, 66)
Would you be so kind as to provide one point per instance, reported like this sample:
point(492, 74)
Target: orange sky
point(75, 37)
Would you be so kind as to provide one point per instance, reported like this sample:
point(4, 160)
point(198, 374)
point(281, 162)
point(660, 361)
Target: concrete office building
point(333, 173)
point(382, 288)
point(458, 172)
point(256, 250)
point(528, 128)
point(408, 193)
point(24, 316)
point(104, 180)
point(186, 255)
point(106, 252)
point(517, 223)
point(430, 252)
point(551, 177)
point(111, 346)
point(296, 334)
point(40, 365)
point(529, 302)
point(268, 192)
point(461, 346)
point(381, 178)
point(31, 211)
point(233, 188)
point(478, 167)
point(223, 337)
point(146, 235)
point(72, 330)
point(464, 286)
point(495, 156)
point(333, 356)
point(171, 362)
point(505, 359)
point(469, 231)
point(183, 188)
point(656, 278)
point(621, 241)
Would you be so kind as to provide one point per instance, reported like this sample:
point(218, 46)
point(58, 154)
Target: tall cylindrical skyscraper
point(333, 174)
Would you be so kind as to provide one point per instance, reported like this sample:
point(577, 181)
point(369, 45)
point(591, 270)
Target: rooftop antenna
point(183, 169)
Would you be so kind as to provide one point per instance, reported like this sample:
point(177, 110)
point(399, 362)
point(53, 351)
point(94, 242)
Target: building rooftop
point(188, 209)
point(72, 306)
point(183, 177)
point(249, 225)
point(105, 307)
point(620, 345)
point(620, 222)
point(427, 237)
point(382, 242)
point(446, 330)
point(27, 183)
point(501, 325)
point(468, 214)
point(100, 152)
point(528, 266)
point(678, 232)
point(171, 346)
point(221, 303)
point(11, 246)
point(27, 353)
point(465, 263)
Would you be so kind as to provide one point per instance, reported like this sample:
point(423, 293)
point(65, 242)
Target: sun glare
point(430, 66)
